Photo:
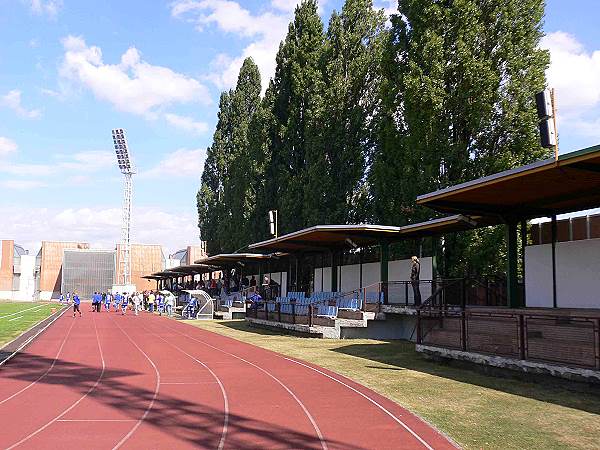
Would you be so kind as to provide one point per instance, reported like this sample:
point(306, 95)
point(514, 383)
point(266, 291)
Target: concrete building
point(17, 267)
point(145, 259)
point(49, 267)
point(186, 256)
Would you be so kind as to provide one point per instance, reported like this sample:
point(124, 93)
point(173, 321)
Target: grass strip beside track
point(476, 410)
point(18, 317)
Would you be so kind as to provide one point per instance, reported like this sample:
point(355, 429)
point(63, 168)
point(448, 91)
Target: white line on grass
point(15, 318)
point(21, 311)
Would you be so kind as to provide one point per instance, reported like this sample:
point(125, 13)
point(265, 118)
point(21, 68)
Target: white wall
point(349, 275)
point(577, 274)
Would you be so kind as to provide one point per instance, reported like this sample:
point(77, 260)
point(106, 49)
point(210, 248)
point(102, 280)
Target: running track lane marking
point(406, 427)
point(42, 428)
point(310, 417)
point(49, 368)
point(156, 388)
point(217, 379)
point(22, 311)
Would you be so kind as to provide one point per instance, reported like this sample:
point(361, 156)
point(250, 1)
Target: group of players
point(121, 301)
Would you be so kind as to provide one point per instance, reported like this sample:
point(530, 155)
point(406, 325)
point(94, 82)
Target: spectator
point(415, 272)
point(136, 303)
point(170, 302)
point(253, 281)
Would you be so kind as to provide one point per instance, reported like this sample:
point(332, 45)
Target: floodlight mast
point(127, 169)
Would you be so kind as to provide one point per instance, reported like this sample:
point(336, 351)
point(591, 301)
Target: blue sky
point(70, 71)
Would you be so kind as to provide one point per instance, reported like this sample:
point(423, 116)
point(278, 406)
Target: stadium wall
point(6, 267)
point(145, 259)
point(50, 272)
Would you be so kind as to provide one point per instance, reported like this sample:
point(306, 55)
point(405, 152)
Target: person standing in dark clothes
point(415, 272)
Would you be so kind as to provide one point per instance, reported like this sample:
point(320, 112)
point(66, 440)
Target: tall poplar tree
point(238, 198)
point(462, 99)
point(336, 172)
point(297, 115)
point(209, 199)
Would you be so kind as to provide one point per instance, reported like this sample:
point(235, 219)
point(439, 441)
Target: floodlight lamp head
point(124, 160)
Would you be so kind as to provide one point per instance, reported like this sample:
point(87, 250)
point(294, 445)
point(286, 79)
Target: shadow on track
point(186, 421)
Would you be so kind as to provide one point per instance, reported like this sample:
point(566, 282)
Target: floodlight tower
point(125, 163)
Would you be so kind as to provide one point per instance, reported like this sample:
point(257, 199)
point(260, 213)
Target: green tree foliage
point(336, 170)
point(460, 82)
point(296, 133)
point(363, 117)
point(238, 198)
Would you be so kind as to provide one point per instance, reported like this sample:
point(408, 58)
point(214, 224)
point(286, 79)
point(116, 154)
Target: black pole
point(554, 302)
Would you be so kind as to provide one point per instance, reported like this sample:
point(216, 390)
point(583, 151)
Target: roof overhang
point(334, 237)
point(232, 259)
point(192, 269)
point(544, 188)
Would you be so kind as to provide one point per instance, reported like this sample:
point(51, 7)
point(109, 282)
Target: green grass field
point(17, 317)
point(476, 410)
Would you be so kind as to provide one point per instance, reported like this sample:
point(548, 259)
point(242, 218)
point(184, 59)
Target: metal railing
point(568, 338)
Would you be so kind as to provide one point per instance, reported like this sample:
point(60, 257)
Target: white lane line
point(22, 311)
point(217, 379)
point(382, 408)
point(49, 368)
point(15, 318)
point(156, 388)
point(204, 382)
point(73, 405)
point(289, 391)
point(96, 420)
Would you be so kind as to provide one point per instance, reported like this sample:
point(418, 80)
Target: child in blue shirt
point(117, 301)
point(76, 302)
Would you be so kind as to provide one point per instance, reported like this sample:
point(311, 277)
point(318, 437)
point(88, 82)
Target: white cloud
point(49, 8)
point(13, 100)
point(574, 72)
point(101, 227)
point(186, 123)
point(266, 30)
point(133, 85)
point(22, 185)
point(7, 146)
point(78, 163)
point(180, 163)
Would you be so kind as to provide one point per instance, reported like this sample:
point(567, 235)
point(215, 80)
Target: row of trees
point(362, 117)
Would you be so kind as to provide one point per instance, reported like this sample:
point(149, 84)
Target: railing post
point(310, 313)
point(463, 294)
point(521, 336)
point(294, 312)
point(278, 306)
point(419, 337)
point(597, 343)
point(406, 293)
point(266, 311)
point(463, 330)
point(364, 299)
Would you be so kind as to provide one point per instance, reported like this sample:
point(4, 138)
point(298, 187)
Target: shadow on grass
point(402, 355)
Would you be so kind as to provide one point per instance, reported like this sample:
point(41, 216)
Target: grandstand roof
point(229, 259)
point(192, 269)
point(324, 237)
point(544, 188)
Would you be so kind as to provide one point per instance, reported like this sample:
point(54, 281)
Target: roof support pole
point(523, 246)
point(511, 270)
point(334, 272)
point(360, 268)
point(554, 301)
point(383, 268)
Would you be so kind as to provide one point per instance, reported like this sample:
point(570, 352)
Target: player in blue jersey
point(117, 301)
point(76, 303)
point(124, 303)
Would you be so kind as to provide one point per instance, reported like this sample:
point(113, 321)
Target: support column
point(523, 246)
point(334, 272)
point(511, 269)
point(360, 268)
point(384, 269)
point(554, 300)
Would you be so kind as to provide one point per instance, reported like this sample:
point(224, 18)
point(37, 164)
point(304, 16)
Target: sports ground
point(111, 381)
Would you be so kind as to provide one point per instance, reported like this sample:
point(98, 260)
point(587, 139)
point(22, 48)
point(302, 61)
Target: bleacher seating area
point(327, 304)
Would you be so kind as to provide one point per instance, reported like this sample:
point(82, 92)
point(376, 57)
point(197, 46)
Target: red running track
point(110, 381)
